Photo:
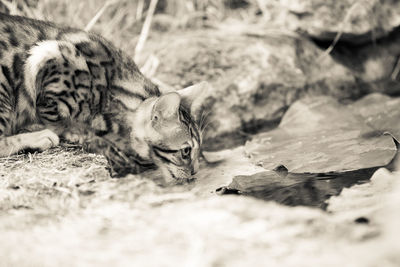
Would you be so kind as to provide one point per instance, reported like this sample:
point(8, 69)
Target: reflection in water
point(294, 189)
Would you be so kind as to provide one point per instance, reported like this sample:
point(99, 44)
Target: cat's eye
point(185, 152)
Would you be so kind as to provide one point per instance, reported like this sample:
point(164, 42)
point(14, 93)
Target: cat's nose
point(195, 167)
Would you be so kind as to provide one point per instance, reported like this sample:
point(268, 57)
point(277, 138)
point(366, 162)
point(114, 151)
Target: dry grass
point(44, 188)
point(49, 184)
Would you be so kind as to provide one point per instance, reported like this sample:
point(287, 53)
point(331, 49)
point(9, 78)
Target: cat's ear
point(194, 96)
point(166, 107)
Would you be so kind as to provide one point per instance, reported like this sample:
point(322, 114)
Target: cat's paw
point(73, 137)
point(42, 140)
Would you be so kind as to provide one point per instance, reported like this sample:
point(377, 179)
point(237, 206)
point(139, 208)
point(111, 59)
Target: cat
point(64, 83)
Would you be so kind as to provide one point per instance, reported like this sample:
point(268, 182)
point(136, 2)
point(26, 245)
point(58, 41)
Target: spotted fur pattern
point(65, 83)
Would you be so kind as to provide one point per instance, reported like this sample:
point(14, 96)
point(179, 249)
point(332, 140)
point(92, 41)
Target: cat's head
point(166, 131)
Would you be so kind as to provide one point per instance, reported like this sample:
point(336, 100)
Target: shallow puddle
point(295, 189)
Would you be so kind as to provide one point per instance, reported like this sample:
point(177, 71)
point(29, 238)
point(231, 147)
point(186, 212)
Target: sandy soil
point(60, 208)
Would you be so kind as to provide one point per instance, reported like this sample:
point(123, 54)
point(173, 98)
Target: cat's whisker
point(203, 123)
point(206, 125)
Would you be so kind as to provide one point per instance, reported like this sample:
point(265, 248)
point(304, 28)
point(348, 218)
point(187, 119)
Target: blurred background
point(122, 20)
point(258, 55)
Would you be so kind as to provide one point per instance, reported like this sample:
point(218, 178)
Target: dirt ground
point(61, 208)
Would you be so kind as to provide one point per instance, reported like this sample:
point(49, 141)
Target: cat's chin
point(168, 178)
point(118, 171)
point(158, 177)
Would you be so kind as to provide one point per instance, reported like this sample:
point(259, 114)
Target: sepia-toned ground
point(60, 208)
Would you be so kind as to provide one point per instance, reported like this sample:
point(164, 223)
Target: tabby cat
point(58, 82)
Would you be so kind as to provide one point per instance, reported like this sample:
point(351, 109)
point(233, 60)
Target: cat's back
point(19, 31)
point(7, 19)
point(19, 34)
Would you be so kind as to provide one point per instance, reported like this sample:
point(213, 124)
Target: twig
point(12, 7)
point(396, 69)
point(165, 88)
point(139, 10)
point(340, 33)
point(145, 29)
point(271, 33)
point(149, 68)
point(28, 11)
point(93, 21)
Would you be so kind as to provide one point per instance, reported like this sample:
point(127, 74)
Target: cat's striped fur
point(65, 83)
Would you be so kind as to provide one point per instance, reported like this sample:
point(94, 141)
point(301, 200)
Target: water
point(295, 189)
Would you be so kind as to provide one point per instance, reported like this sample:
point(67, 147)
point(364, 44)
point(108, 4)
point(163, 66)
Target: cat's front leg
point(77, 134)
point(38, 140)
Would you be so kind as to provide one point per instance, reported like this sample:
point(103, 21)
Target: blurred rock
point(376, 63)
point(357, 21)
point(255, 78)
point(319, 135)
